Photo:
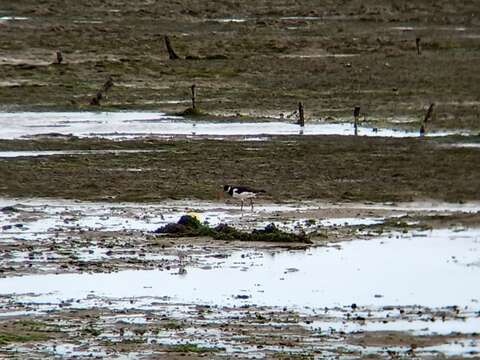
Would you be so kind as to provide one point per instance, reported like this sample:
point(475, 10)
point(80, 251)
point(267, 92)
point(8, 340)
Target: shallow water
point(37, 219)
point(465, 348)
point(228, 20)
point(15, 154)
point(434, 207)
point(12, 18)
point(467, 145)
point(403, 270)
point(417, 327)
point(118, 125)
point(417, 28)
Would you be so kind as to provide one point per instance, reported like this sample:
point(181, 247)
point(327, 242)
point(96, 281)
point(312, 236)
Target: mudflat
point(248, 58)
point(389, 222)
point(288, 168)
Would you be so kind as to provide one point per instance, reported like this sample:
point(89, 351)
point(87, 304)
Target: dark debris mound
point(186, 226)
point(9, 209)
point(190, 226)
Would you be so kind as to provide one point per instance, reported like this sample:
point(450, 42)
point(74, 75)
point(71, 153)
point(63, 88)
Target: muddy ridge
point(294, 168)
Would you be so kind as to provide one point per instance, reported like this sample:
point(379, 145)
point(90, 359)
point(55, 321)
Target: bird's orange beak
point(220, 195)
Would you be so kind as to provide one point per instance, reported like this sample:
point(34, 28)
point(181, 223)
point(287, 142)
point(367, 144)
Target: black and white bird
point(242, 193)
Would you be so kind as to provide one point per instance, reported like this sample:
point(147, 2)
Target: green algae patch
point(186, 226)
point(7, 338)
point(192, 348)
point(189, 226)
point(24, 331)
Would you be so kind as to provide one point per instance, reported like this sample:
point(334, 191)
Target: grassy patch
point(293, 356)
point(7, 338)
point(192, 348)
point(26, 331)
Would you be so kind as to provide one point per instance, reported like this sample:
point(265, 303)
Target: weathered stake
point(108, 84)
point(356, 114)
point(429, 113)
point(419, 50)
point(301, 117)
point(428, 116)
point(194, 101)
point(171, 53)
point(95, 101)
point(59, 57)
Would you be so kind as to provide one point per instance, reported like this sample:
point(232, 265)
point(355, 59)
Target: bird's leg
point(241, 207)
point(251, 204)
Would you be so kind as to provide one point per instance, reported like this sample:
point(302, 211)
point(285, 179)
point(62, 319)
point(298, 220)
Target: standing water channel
point(131, 124)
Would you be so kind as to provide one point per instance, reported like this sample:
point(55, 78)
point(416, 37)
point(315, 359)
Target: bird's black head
point(226, 188)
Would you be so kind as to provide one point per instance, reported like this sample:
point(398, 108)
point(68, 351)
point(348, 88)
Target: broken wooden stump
point(429, 113)
point(419, 49)
point(171, 53)
point(301, 117)
point(193, 110)
point(95, 101)
point(108, 85)
point(428, 116)
point(59, 58)
point(356, 114)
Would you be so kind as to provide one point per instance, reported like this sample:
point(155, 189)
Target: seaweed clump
point(186, 226)
point(189, 226)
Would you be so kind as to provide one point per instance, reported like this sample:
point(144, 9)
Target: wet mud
point(391, 266)
point(301, 168)
point(248, 59)
point(200, 297)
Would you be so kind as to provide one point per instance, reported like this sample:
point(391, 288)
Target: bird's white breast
point(243, 195)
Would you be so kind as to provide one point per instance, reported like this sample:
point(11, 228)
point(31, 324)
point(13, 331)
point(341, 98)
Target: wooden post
point(428, 116)
point(429, 113)
point(171, 53)
point(59, 57)
point(108, 84)
point(419, 50)
point(99, 95)
point(301, 117)
point(356, 114)
point(95, 101)
point(194, 105)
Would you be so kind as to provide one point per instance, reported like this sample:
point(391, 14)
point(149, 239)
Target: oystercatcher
point(242, 193)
